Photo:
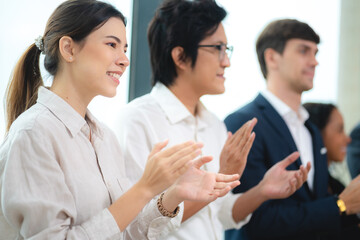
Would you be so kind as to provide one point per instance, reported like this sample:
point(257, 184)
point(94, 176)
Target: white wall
point(22, 21)
point(245, 21)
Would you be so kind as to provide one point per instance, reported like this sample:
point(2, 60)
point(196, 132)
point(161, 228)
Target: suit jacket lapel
point(277, 122)
point(320, 164)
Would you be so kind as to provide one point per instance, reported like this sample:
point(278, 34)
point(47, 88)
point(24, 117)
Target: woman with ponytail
point(62, 172)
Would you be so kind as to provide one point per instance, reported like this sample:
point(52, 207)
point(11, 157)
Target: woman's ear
point(67, 48)
point(177, 54)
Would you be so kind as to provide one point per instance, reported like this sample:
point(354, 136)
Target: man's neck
point(290, 98)
point(186, 95)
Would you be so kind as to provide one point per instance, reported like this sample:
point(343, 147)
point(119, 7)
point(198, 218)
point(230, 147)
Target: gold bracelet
point(165, 212)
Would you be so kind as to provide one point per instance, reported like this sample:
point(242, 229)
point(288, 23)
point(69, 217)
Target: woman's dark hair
point(180, 23)
point(277, 33)
point(73, 18)
point(319, 113)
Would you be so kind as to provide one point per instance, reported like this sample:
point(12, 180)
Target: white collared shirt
point(56, 184)
point(158, 116)
point(301, 135)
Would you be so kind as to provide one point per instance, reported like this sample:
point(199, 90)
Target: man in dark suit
point(287, 54)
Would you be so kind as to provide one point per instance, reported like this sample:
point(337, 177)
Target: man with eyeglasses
point(189, 54)
point(222, 48)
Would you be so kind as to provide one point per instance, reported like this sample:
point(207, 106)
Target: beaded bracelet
point(165, 212)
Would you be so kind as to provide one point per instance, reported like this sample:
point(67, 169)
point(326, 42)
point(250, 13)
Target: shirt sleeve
point(225, 212)
point(150, 223)
point(227, 202)
point(137, 137)
point(35, 198)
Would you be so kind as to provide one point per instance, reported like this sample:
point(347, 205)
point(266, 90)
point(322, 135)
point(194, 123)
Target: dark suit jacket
point(304, 215)
point(350, 228)
point(353, 152)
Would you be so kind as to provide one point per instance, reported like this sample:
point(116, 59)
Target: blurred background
point(337, 78)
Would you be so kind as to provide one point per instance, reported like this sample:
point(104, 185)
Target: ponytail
point(25, 81)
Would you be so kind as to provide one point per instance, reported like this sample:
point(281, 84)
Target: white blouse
point(56, 184)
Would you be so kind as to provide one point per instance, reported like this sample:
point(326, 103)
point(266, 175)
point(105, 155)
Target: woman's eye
point(112, 45)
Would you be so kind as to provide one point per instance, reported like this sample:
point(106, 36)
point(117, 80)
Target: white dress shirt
point(56, 184)
point(158, 116)
point(295, 122)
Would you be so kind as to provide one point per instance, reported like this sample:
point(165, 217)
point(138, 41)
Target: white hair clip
point(40, 43)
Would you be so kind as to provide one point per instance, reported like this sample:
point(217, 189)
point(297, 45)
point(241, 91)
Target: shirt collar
point(72, 120)
point(94, 124)
point(174, 109)
point(283, 109)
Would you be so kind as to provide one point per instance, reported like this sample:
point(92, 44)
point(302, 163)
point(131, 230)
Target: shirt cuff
point(102, 226)
point(157, 224)
point(225, 213)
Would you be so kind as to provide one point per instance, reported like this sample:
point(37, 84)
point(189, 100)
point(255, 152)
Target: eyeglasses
point(222, 48)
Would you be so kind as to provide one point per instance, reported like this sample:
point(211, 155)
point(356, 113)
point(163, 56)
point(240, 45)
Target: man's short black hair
point(180, 23)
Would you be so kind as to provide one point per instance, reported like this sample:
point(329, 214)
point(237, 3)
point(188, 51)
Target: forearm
point(171, 200)
point(191, 208)
point(247, 203)
point(128, 206)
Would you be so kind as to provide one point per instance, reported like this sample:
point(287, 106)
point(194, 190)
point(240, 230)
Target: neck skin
point(281, 90)
point(65, 87)
point(329, 161)
point(185, 93)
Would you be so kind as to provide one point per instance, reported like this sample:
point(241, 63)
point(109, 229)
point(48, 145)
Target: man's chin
point(308, 87)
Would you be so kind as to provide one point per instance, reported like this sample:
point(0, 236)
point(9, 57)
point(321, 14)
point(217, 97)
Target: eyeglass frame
point(228, 49)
